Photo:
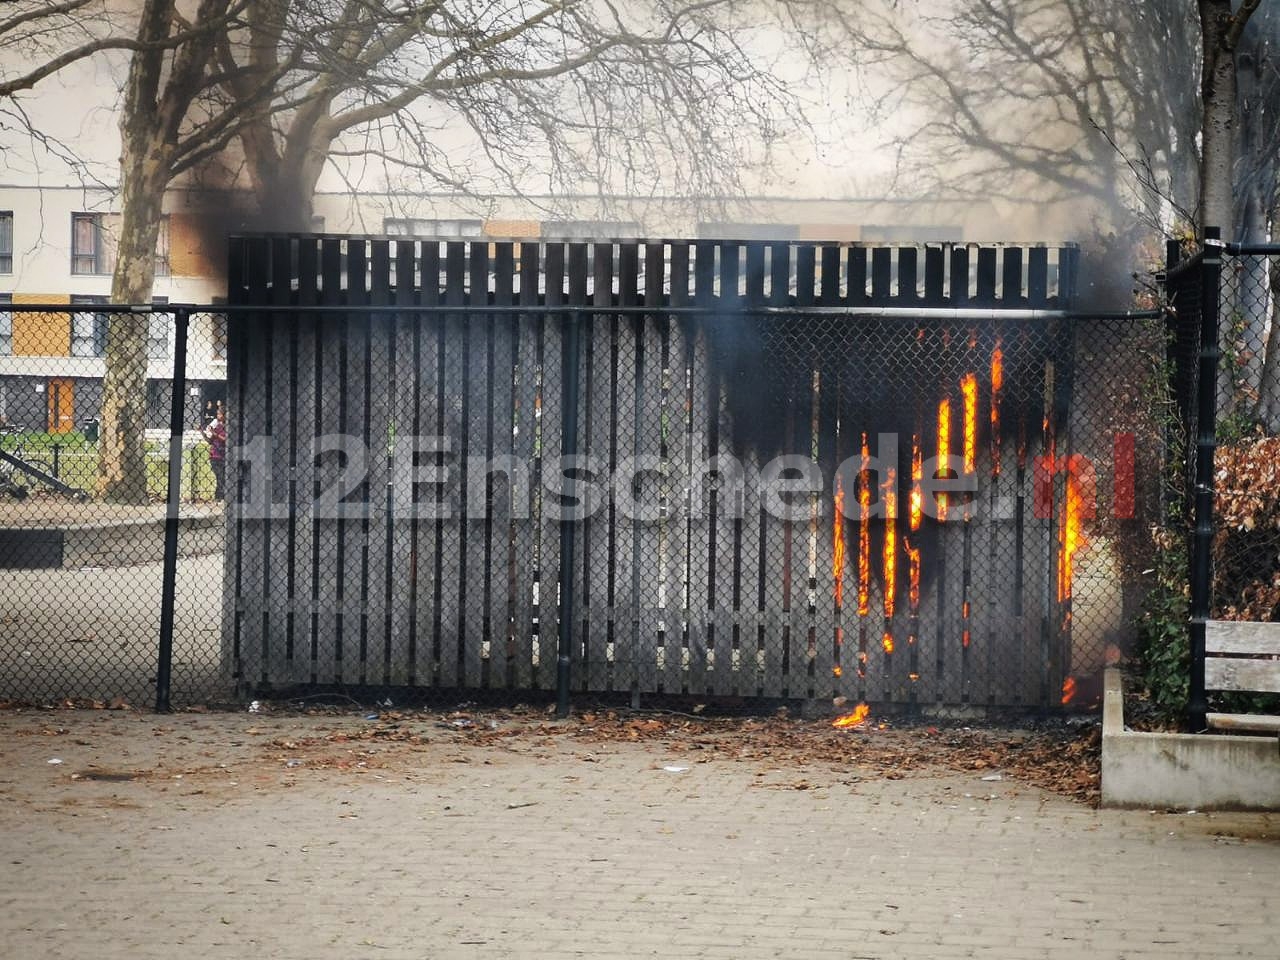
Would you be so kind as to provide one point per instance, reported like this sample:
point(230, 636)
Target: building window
point(158, 331)
point(443, 229)
point(6, 241)
point(88, 330)
point(6, 325)
point(86, 243)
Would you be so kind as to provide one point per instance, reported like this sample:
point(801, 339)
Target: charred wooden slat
point(288, 661)
point(501, 375)
point(476, 629)
point(306, 373)
point(381, 431)
point(526, 568)
point(550, 445)
point(881, 274)
point(934, 276)
point(403, 601)
point(356, 426)
point(908, 276)
point(454, 364)
point(328, 558)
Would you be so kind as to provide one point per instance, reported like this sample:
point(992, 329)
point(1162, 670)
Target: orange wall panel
point(189, 255)
point(512, 228)
point(41, 334)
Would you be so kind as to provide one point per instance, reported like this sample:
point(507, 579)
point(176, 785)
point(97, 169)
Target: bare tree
point(594, 95)
point(1057, 99)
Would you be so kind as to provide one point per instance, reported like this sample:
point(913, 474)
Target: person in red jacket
point(216, 433)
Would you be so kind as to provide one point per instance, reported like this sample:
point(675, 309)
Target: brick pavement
point(549, 847)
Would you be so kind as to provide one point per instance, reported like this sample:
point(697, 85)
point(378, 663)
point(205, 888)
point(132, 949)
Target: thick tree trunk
point(122, 468)
point(1267, 409)
point(1218, 128)
point(1217, 168)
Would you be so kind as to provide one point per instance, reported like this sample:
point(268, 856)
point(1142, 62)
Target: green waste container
point(91, 431)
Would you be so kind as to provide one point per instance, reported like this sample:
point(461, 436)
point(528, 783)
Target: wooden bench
point(1242, 657)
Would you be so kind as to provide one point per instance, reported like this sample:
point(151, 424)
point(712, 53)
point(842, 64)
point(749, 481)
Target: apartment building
point(57, 246)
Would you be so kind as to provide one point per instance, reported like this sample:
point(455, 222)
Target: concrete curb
point(1183, 771)
point(114, 544)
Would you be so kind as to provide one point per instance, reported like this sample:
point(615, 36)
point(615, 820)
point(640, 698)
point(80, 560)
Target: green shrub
point(1163, 650)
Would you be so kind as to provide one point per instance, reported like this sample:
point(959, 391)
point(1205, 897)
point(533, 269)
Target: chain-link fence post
point(173, 495)
point(1206, 415)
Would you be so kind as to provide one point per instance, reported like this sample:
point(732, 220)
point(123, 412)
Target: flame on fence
point(837, 536)
point(1068, 690)
point(864, 531)
point(913, 565)
point(969, 389)
point(997, 385)
point(1069, 538)
point(944, 450)
point(855, 719)
point(890, 554)
point(917, 476)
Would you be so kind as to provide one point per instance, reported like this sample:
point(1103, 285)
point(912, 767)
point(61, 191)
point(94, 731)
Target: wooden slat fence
point(395, 523)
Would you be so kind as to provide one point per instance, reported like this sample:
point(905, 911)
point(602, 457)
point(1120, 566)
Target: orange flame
point(837, 533)
point(969, 388)
point(997, 384)
point(1068, 690)
point(864, 532)
point(917, 476)
point(944, 450)
point(855, 719)
point(1070, 535)
point(913, 564)
point(890, 553)
point(886, 641)
point(837, 671)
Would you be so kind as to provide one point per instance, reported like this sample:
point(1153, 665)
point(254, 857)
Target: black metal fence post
point(1206, 444)
point(173, 494)
point(568, 524)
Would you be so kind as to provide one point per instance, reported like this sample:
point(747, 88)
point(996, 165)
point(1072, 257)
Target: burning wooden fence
point(698, 365)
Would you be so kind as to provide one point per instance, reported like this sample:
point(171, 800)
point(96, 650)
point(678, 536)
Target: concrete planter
point(1184, 771)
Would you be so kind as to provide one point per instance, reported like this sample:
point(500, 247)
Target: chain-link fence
point(1246, 566)
point(1224, 484)
point(81, 562)
point(740, 471)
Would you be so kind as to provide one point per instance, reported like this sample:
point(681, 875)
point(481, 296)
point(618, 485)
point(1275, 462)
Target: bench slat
point(1258, 676)
point(1261, 723)
point(1241, 637)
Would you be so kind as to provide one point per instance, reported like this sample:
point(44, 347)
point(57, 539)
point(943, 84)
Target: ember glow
point(855, 719)
point(890, 553)
point(837, 535)
point(913, 567)
point(864, 531)
point(917, 476)
point(1068, 690)
point(997, 385)
point(969, 389)
point(1069, 538)
point(944, 450)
